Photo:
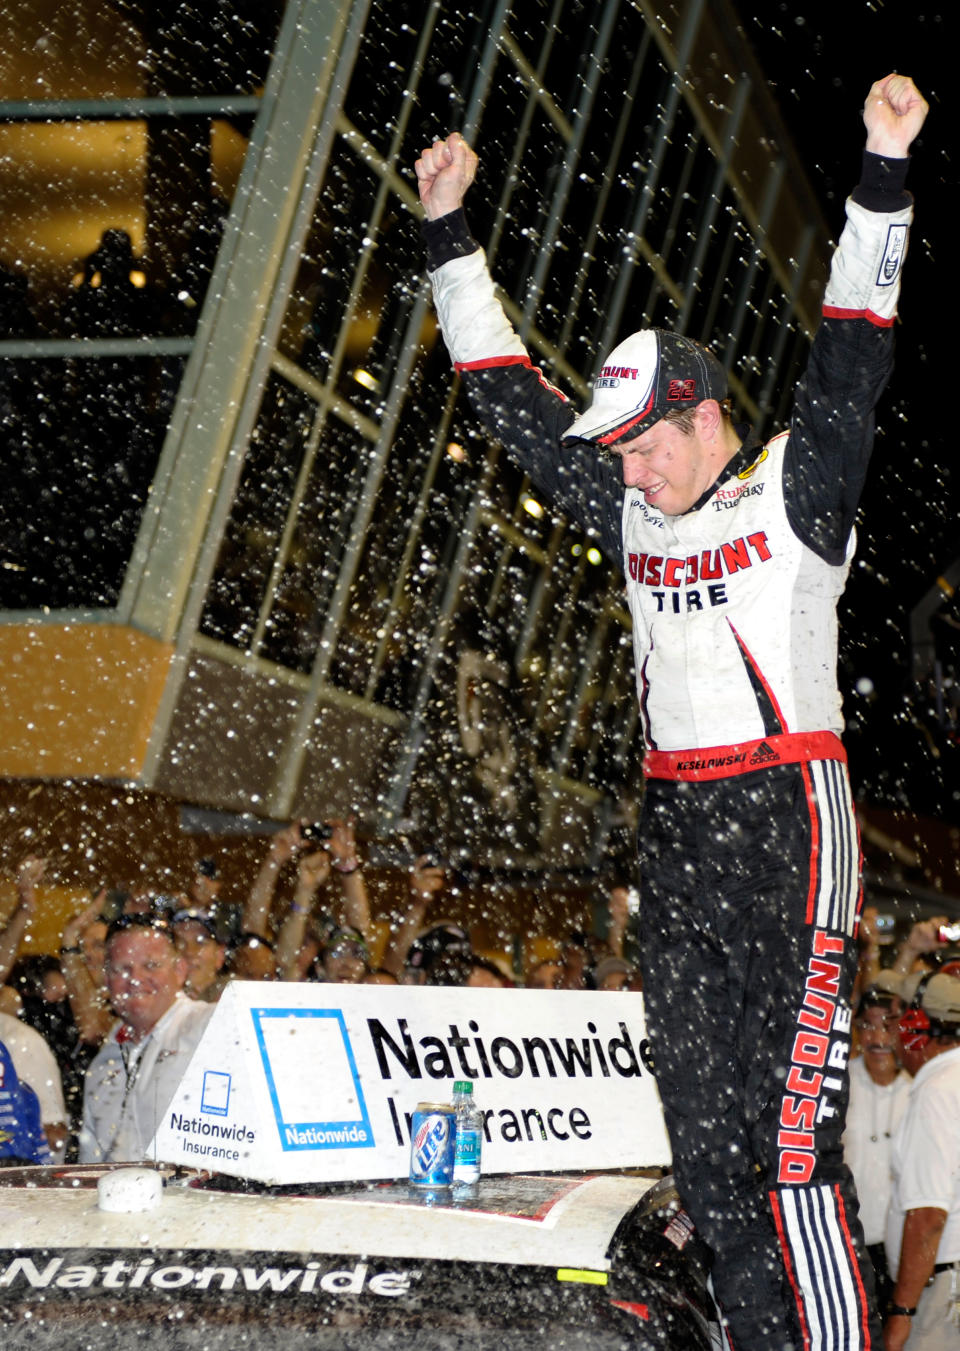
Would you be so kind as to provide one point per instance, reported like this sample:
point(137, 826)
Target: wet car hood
point(608, 1260)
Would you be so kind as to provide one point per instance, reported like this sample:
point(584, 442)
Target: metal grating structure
point(366, 608)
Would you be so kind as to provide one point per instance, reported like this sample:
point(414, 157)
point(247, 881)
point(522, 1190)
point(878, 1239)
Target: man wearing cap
point(198, 943)
point(923, 1226)
point(735, 554)
point(879, 1089)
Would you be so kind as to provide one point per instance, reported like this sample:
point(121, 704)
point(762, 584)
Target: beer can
point(433, 1131)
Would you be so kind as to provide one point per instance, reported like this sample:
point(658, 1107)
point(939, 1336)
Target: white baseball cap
point(649, 373)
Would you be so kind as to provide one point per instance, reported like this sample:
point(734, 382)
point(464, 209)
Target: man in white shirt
point(137, 1069)
point(923, 1228)
point(879, 1089)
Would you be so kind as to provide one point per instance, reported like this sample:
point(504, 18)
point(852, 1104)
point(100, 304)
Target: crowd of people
point(100, 1031)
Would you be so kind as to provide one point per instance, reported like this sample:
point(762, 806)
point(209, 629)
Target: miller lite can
point(433, 1134)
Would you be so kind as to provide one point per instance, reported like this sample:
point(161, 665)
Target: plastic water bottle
point(469, 1138)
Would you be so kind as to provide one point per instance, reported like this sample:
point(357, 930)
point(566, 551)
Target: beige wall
point(78, 699)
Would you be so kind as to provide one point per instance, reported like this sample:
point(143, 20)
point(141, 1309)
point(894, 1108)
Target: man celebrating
point(135, 1073)
point(923, 1226)
point(735, 554)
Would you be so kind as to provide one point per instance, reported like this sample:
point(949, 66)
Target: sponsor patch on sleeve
point(892, 255)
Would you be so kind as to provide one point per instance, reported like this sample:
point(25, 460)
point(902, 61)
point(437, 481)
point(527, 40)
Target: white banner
point(304, 1082)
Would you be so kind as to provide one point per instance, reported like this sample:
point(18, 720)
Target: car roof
point(544, 1220)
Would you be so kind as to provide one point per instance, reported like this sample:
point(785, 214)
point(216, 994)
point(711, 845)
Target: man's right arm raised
point(512, 397)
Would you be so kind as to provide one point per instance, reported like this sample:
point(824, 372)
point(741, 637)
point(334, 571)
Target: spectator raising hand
point(81, 960)
point(297, 944)
point(29, 876)
point(921, 940)
point(427, 881)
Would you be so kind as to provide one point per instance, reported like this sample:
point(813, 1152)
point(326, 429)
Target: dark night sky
point(821, 59)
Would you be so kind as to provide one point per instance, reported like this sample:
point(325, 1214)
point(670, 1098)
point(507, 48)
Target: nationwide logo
point(474, 1055)
point(150, 1273)
point(220, 1140)
point(764, 754)
point(329, 1112)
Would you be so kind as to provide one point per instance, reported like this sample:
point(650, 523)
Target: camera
point(113, 904)
point(948, 933)
point(884, 928)
point(316, 832)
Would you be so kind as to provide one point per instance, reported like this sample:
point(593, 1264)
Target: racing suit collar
point(741, 460)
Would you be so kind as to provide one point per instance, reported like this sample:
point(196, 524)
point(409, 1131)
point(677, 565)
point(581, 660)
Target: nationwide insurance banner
point(308, 1083)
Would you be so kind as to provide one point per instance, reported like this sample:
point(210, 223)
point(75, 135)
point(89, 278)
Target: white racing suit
point(748, 843)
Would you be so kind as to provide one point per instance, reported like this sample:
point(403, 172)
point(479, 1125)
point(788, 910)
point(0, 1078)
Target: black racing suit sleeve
point(530, 421)
point(851, 358)
point(511, 396)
